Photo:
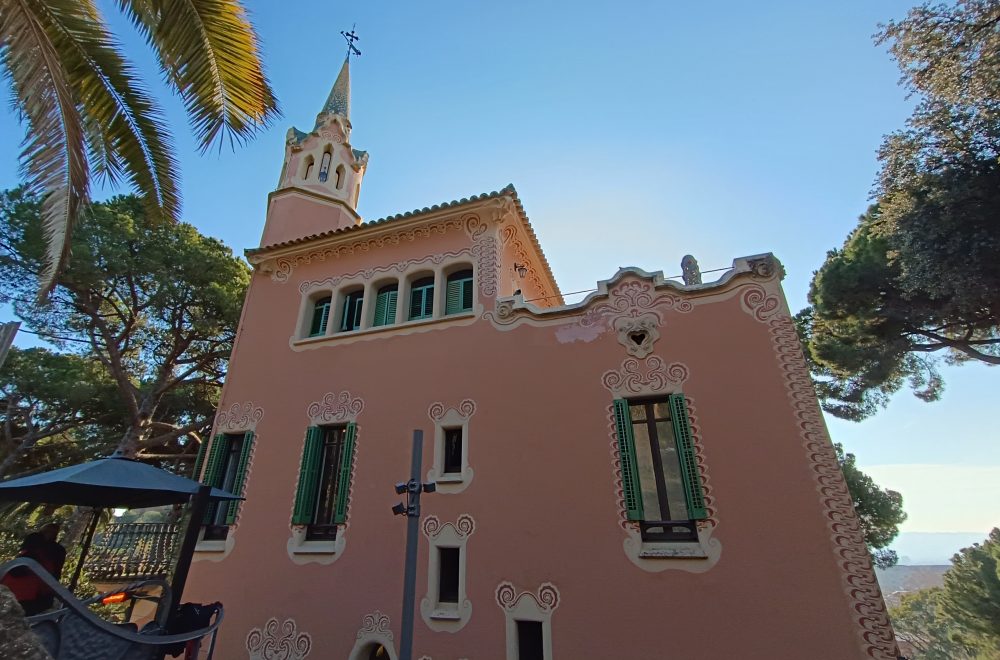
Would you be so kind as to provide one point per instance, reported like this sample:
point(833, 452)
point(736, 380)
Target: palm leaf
point(208, 53)
point(54, 157)
point(125, 133)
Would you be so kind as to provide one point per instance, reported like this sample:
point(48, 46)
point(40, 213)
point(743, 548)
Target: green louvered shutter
point(416, 303)
point(390, 307)
point(453, 293)
point(199, 460)
point(689, 462)
point(305, 496)
point(213, 470)
point(626, 452)
point(321, 316)
point(344, 478)
point(466, 295)
point(381, 304)
point(241, 476)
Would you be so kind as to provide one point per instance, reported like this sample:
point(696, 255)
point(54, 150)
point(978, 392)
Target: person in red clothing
point(29, 590)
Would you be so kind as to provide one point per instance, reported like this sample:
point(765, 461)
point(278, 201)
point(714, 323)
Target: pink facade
point(515, 395)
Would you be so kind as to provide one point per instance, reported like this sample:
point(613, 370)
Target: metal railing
point(129, 551)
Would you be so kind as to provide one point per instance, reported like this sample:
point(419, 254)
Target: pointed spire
point(339, 101)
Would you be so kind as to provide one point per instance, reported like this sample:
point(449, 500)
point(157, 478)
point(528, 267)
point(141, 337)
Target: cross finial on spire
point(351, 37)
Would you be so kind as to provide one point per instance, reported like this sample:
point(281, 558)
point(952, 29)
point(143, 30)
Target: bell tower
point(321, 175)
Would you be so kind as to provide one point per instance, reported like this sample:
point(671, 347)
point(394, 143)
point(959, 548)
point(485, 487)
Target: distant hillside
point(899, 580)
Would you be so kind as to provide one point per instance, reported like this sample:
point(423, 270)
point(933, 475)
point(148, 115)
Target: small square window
point(453, 451)
point(529, 640)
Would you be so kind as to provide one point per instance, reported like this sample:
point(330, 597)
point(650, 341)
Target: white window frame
point(445, 418)
point(446, 617)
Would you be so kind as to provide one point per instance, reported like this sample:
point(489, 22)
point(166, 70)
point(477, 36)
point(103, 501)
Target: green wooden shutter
point(345, 317)
point(453, 297)
point(241, 476)
point(626, 452)
point(390, 307)
point(416, 303)
point(381, 305)
point(305, 495)
point(689, 462)
point(466, 295)
point(344, 479)
point(216, 457)
point(199, 460)
point(321, 315)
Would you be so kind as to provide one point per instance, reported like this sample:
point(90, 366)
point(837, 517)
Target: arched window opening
point(385, 305)
point(351, 317)
point(377, 652)
point(422, 298)
point(324, 166)
point(320, 316)
point(340, 176)
point(458, 294)
point(309, 167)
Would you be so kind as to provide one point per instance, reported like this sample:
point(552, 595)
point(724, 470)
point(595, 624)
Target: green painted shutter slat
point(390, 308)
point(344, 478)
point(381, 305)
point(429, 301)
point(199, 460)
point(213, 470)
point(626, 453)
point(241, 476)
point(453, 297)
point(305, 494)
point(324, 318)
point(693, 492)
point(467, 295)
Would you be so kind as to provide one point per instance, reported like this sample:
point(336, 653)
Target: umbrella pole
point(88, 537)
point(199, 503)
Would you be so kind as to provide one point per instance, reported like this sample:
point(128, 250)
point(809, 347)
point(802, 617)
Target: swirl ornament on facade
point(239, 417)
point(276, 642)
point(375, 630)
point(756, 301)
point(858, 577)
point(437, 409)
point(335, 408)
point(398, 267)
point(649, 376)
point(488, 262)
point(546, 598)
point(638, 334)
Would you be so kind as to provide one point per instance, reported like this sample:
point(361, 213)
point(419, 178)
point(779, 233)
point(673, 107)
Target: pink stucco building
point(643, 474)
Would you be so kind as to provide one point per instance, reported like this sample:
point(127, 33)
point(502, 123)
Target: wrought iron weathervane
point(351, 37)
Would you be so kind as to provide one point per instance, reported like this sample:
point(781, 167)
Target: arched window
point(385, 305)
point(320, 316)
point(324, 165)
point(350, 319)
point(422, 298)
point(340, 177)
point(458, 295)
point(309, 167)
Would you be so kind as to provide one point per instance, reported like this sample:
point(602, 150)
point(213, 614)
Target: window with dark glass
point(422, 298)
point(320, 317)
point(226, 469)
point(323, 525)
point(324, 166)
point(385, 305)
point(324, 479)
point(659, 468)
point(448, 575)
point(459, 292)
point(452, 450)
point(529, 640)
point(350, 318)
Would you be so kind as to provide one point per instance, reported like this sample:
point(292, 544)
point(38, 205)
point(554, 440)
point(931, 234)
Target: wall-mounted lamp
point(521, 269)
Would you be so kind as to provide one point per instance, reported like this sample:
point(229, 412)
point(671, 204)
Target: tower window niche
point(309, 167)
point(340, 176)
point(324, 166)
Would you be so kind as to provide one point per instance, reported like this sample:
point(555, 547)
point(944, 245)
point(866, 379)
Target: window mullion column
point(367, 306)
point(439, 298)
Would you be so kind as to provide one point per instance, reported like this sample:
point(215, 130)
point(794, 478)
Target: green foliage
point(918, 620)
point(919, 279)
point(879, 510)
point(145, 316)
point(971, 595)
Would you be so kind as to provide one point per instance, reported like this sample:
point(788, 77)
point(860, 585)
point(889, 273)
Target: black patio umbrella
point(118, 482)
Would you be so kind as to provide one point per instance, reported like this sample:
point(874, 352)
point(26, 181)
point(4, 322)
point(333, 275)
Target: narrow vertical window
point(448, 575)
point(385, 305)
point(459, 292)
point(529, 640)
point(422, 298)
point(453, 451)
point(324, 478)
point(320, 317)
point(309, 167)
point(340, 176)
point(350, 318)
point(226, 469)
point(324, 166)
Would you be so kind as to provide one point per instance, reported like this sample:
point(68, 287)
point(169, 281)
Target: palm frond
point(126, 135)
point(54, 156)
point(208, 52)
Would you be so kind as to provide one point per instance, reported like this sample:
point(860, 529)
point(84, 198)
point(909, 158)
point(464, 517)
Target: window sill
point(445, 613)
point(672, 550)
point(315, 548)
point(406, 325)
point(210, 546)
point(450, 478)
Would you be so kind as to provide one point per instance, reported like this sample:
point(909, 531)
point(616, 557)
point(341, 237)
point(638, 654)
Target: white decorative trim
point(638, 334)
point(272, 644)
point(302, 551)
point(448, 418)
point(528, 606)
point(758, 303)
point(240, 417)
point(375, 629)
point(647, 377)
point(335, 408)
point(446, 617)
point(398, 268)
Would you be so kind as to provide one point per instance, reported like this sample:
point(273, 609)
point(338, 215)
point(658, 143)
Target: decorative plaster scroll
point(335, 408)
point(638, 334)
point(451, 418)
point(756, 301)
point(765, 267)
point(867, 607)
point(649, 376)
point(546, 598)
point(631, 298)
point(374, 631)
point(285, 265)
point(239, 417)
point(464, 526)
point(486, 252)
point(511, 238)
point(655, 557)
point(274, 644)
point(370, 273)
point(442, 616)
point(437, 410)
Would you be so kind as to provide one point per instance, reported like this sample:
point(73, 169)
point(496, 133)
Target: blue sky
point(635, 133)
